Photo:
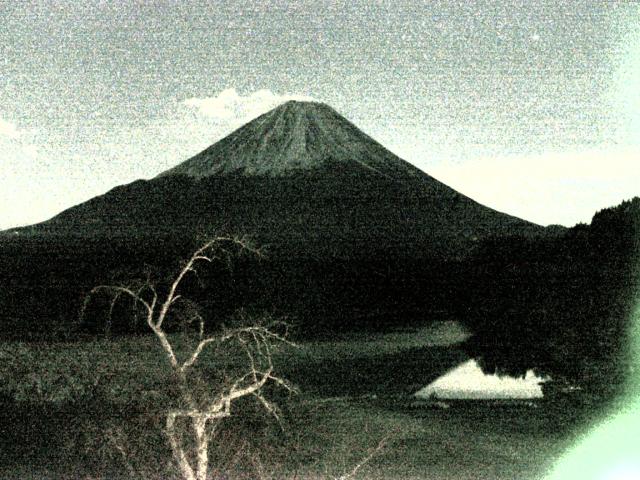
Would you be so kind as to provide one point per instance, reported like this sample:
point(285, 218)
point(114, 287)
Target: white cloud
point(19, 194)
point(229, 106)
point(8, 129)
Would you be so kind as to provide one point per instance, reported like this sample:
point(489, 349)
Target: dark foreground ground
point(474, 441)
point(93, 410)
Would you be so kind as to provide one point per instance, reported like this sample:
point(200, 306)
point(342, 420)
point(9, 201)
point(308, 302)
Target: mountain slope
point(296, 136)
point(302, 179)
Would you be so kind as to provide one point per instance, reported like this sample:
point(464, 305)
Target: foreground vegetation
point(96, 409)
point(101, 407)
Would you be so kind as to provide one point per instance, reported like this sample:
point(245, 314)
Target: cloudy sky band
point(529, 107)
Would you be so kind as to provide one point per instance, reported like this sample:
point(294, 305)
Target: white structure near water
point(468, 381)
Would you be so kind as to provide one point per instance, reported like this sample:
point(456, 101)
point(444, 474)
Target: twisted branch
point(256, 342)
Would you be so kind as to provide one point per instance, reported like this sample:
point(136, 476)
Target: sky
point(529, 107)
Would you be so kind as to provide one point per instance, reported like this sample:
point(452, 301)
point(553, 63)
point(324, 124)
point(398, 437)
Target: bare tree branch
point(196, 353)
point(122, 290)
point(115, 441)
point(198, 255)
point(372, 453)
point(256, 342)
point(178, 452)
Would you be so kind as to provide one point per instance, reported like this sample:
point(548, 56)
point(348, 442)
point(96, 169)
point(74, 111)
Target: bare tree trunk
point(202, 446)
point(176, 448)
point(199, 423)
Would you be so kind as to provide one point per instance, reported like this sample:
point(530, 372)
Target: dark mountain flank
point(303, 179)
point(349, 229)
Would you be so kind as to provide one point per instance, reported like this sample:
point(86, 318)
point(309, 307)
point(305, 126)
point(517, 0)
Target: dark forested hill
point(562, 305)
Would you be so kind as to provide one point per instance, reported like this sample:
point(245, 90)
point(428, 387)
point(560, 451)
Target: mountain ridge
point(295, 136)
point(300, 175)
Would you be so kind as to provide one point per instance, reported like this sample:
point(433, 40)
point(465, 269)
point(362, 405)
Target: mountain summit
point(293, 137)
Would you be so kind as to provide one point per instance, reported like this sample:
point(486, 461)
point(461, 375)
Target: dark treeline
point(44, 292)
point(560, 305)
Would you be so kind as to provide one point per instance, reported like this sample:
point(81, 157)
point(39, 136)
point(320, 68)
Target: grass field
point(71, 410)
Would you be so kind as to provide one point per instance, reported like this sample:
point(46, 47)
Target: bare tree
point(200, 407)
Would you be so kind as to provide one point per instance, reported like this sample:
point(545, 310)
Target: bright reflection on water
point(467, 381)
